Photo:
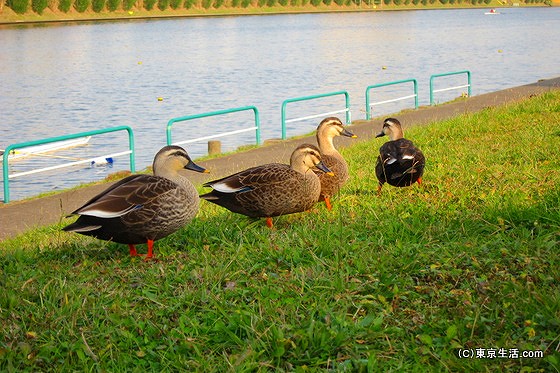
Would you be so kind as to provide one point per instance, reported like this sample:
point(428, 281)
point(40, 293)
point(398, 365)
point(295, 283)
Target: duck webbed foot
point(149, 255)
point(269, 222)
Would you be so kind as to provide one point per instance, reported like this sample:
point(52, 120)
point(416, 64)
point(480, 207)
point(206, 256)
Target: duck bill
point(321, 166)
point(194, 167)
point(347, 133)
point(380, 134)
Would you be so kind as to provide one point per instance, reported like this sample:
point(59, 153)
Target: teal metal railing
point(433, 77)
point(313, 97)
point(256, 127)
point(369, 104)
point(11, 149)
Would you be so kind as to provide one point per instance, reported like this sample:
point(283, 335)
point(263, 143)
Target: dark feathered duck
point(272, 189)
point(399, 163)
point(143, 208)
point(328, 129)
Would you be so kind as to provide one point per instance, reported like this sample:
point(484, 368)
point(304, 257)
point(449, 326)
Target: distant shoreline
point(8, 17)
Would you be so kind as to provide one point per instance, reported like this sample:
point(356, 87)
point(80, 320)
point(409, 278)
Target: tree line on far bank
point(100, 6)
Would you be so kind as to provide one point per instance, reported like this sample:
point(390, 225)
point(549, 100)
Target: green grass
point(397, 282)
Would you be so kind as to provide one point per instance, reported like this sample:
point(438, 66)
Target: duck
point(143, 208)
point(273, 189)
point(399, 163)
point(328, 129)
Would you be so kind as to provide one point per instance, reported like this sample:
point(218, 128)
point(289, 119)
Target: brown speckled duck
point(272, 189)
point(143, 208)
point(328, 129)
point(399, 162)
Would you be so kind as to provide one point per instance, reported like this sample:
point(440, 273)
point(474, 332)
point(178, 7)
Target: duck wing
point(398, 159)
point(412, 157)
point(261, 191)
point(251, 178)
point(127, 195)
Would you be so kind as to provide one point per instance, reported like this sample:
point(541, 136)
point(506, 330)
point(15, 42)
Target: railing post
point(469, 82)
point(5, 173)
point(283, 119)
point(131, 156)
point(348, 113)
point(432, 89)
point(257, 124)
point(415, 93)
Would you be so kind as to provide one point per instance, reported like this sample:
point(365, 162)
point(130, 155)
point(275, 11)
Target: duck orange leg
point(132, 250)
point(328, 203)
point(150, 254)
point(419, 181)
point(269, 222)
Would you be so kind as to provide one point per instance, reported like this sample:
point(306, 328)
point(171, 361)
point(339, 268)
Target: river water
point(68, 78)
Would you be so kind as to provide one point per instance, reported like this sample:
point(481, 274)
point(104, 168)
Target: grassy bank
point(398, 282)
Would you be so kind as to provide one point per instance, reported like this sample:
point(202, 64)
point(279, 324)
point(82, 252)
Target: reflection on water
point(65, 79)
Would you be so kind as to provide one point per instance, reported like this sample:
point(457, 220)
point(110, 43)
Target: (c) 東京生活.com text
point(498, 353)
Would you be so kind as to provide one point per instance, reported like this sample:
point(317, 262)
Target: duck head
point(331, 127)
point(172, 158)
point(307, 156)
point(392, 128)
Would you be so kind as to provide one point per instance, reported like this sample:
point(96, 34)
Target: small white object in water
point(101, 161)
